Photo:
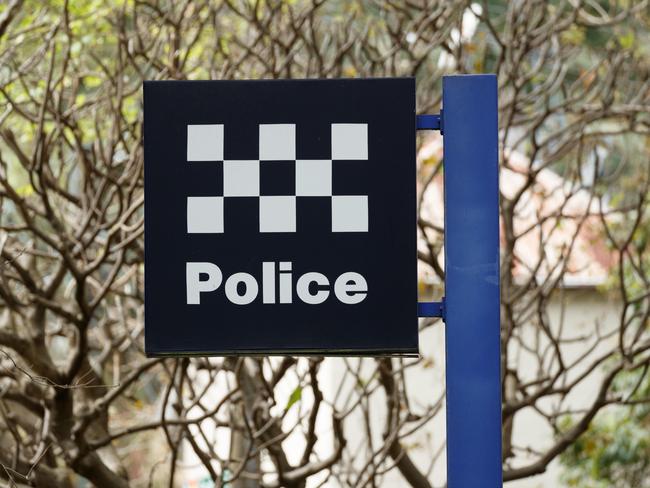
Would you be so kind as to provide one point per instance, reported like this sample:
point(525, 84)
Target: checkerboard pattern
point(277, 144)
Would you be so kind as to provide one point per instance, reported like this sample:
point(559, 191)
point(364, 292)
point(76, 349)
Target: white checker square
point(277, 142)
point(349, 141)
point(350, 213)
point(313, 177)
point(241, 178)
point(205, 142)
point(278, 214)
point(204, 215)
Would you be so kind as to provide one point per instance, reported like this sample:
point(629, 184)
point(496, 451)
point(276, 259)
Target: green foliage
point(615, 451)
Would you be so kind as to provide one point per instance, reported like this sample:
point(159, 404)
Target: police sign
point(280, 217)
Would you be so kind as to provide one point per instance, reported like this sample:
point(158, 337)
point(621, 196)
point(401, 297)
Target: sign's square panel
point(280, 258)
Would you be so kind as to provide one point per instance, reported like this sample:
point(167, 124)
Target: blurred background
point(80, 404)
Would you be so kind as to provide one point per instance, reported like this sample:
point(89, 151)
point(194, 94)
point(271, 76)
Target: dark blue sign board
point(280, 219)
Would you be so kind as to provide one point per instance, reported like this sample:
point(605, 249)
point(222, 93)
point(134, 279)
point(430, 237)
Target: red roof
point(566, 216)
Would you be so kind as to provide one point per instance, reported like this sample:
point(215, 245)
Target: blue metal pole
point(470, 125)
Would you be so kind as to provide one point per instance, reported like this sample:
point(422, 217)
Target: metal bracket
point(429, 122)
point(432, 309)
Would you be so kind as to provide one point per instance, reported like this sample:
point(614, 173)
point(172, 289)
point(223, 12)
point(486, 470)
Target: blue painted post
point(470, 125)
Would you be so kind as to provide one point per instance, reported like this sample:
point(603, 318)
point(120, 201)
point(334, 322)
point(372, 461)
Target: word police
point(242, 288)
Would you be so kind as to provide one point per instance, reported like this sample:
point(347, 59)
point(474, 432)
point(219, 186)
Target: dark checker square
point(241, 216)
point(314, 140)
point(242, 142)
point(352, 177)
point(314, 215)
point(206, 178)
point(277, 178)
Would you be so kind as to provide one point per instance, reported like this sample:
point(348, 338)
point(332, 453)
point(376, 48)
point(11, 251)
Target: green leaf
point(25, 190)
point(296, 395)
point(92, 81)
point(627, 40)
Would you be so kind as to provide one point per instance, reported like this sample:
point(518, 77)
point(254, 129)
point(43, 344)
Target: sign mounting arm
point(430, 309)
